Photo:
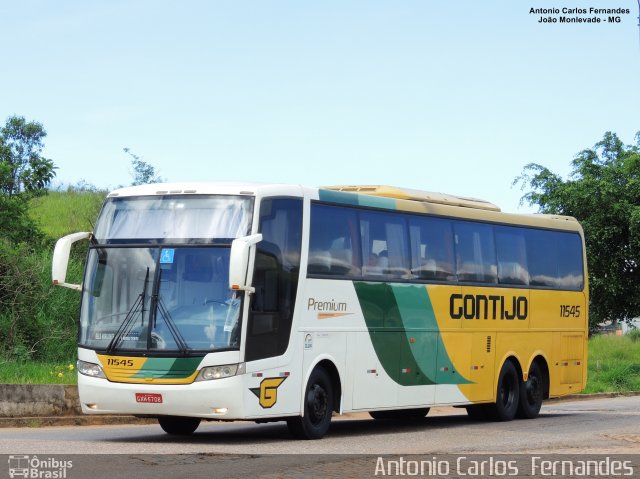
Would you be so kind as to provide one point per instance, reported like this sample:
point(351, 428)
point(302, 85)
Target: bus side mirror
point(239, 262)
point(61, 259)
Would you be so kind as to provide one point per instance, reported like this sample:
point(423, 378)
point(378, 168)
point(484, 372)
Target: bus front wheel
point(318, 407)
point(179, 426)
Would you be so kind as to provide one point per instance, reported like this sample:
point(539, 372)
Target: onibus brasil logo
point(33, 467)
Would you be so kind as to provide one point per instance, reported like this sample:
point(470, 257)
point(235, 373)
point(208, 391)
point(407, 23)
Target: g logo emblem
point(267, 393)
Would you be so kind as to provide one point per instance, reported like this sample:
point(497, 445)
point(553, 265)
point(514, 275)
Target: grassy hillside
point(60, 213)
point(38, 322)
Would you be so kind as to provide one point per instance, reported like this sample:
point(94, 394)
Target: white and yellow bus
point(222, 301)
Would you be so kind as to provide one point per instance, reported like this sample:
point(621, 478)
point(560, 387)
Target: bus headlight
point(219, 372)
point(90, 369)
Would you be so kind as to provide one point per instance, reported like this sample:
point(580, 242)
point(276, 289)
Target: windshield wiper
point(173, 329)
point(157, 304)
point(138, 305)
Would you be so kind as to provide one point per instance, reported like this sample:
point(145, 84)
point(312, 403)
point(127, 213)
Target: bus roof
point(440, 204)
point(378, 196)
point(206, 188)
point(416, 195)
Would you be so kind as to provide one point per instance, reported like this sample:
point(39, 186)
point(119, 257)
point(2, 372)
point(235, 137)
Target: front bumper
point(216, 399)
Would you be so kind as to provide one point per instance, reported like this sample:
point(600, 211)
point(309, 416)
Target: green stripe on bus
point(420, 324)
point(355, 199)
point(404, 333)
point(168, 368)
point(387, 333)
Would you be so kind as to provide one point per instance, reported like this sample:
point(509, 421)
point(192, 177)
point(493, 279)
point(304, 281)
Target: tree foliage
point(22, 167)
point(143, 172)
point(30, 308)
point(24, 173)
point(603, 193)
point(37, 319)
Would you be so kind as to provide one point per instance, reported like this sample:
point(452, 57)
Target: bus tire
point(531, 393)
point(318, 408)
point(179, 426)
point(400, 414)
point(507, 396)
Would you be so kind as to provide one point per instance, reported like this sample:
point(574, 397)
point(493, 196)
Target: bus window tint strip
point(355, 243)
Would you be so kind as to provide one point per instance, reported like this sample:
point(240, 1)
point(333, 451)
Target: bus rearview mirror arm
point(239, 262)
point(61, 259)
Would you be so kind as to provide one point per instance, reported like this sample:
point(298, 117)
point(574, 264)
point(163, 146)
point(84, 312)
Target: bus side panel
point(329, 320)
point(558, 310)
point(372, 386)
point(563, 315)
point(422, 352)
point(480, 366)
point(453, 366)
point(495, 321)
point(272, 385)
point(567, 370)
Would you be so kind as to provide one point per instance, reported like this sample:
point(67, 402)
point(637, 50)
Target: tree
point(603, 193)
point(143, 172)
point(24, 173)
point(22, 168)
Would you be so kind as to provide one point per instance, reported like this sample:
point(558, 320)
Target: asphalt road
point(585, 426)
point(591, 427)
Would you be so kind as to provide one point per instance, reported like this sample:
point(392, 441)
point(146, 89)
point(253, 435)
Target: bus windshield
point(157, 276)
point(171, 299)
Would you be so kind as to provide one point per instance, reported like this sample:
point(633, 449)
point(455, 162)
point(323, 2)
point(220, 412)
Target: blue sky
point(439, 95)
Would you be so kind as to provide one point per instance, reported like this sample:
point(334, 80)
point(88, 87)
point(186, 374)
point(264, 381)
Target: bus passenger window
point(555, 259)
point(570, 266)
point(475, 253)
point(333, 244)
point(384, 243)
point(512, 256)
point(431, 249)
point(543, 258)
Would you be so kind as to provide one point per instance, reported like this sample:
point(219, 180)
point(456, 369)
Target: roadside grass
point(614, 363)
point(59, 213)
point(38, 372)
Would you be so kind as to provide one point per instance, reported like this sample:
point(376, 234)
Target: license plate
point(149, 398)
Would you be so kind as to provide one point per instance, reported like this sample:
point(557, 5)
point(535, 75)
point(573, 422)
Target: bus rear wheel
point(531, 393)
point(400, 414)
point(508, 394)
point(318, 408)
point(179, 426)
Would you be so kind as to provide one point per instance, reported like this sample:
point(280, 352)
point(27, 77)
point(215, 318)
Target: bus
point(268, 302)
